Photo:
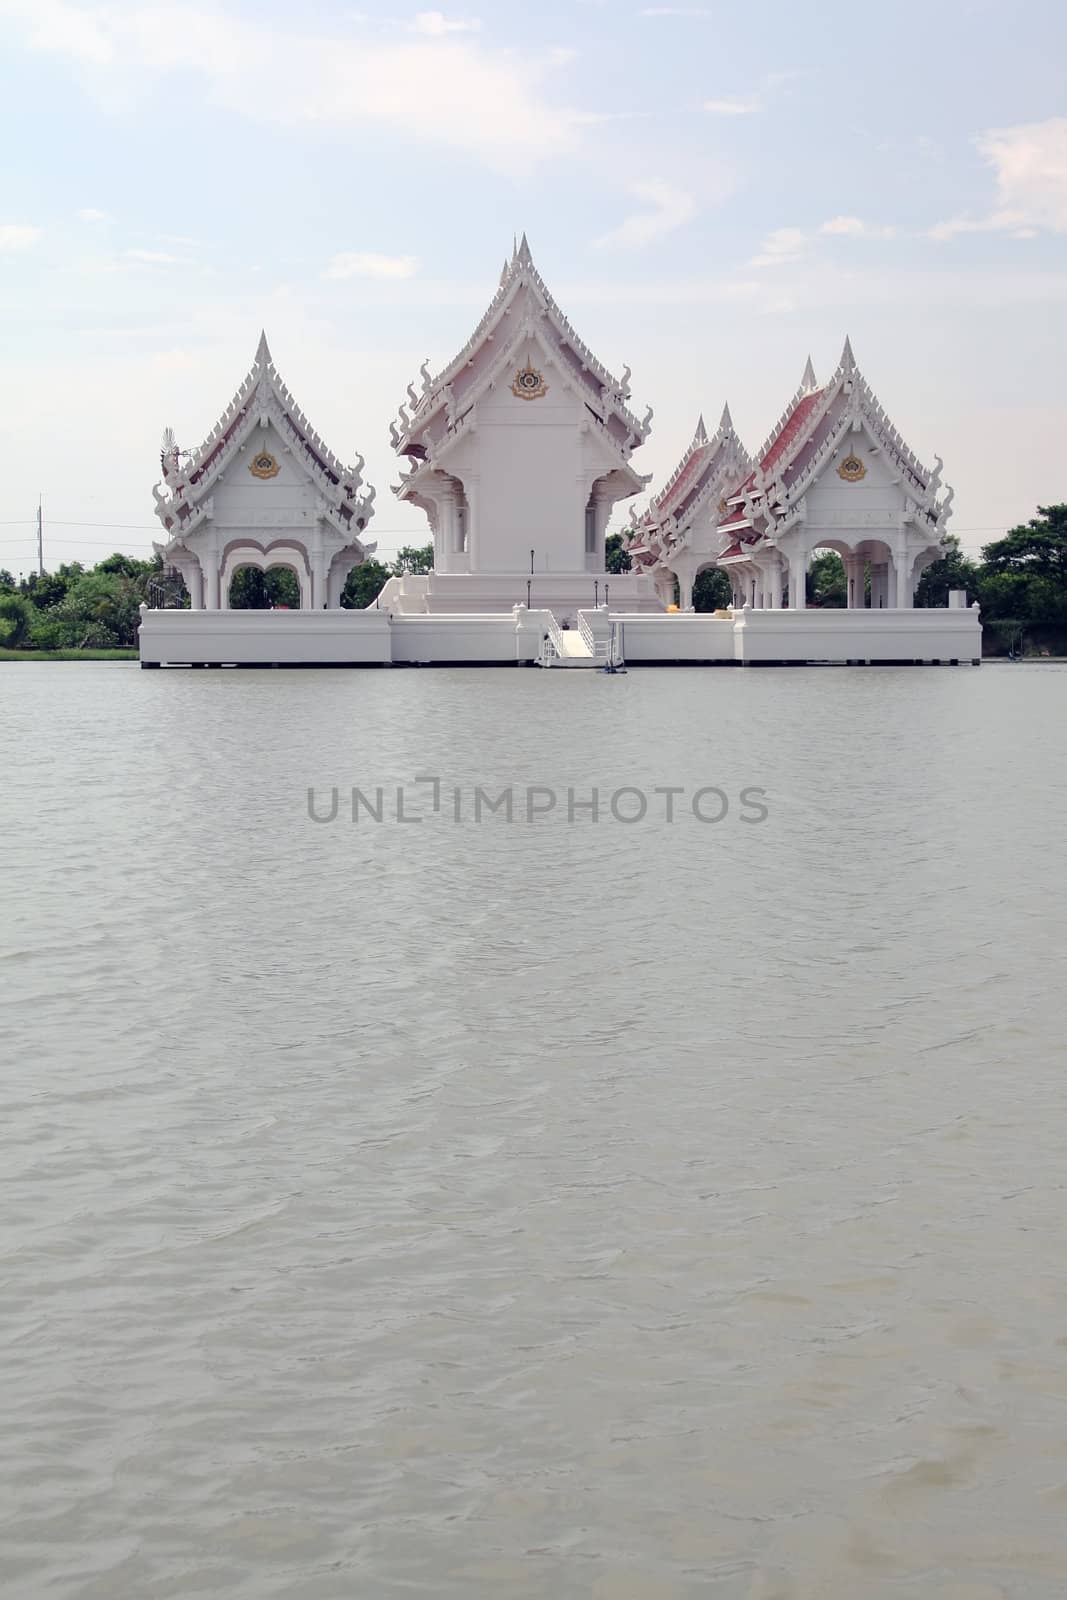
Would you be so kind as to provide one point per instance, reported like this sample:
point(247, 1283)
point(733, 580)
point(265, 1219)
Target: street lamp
point(596, 594)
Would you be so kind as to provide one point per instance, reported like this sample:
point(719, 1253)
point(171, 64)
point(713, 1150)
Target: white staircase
point(578, 647)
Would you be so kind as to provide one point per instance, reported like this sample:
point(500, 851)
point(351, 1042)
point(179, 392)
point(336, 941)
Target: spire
point(701, 434)
point(726, 421)
point(809, 382)
point(848, 360)
point(524, 252)
point(263, 356)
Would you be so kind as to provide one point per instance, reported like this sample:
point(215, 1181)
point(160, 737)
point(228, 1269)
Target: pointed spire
point(726, 421)
point(524, 252)
point(809, 382)
point(848, 360)
point(701, 434)
point(263, 355)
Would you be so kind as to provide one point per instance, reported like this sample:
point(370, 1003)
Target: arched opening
point(712, 589)
point(257, 589)
point(262, 580)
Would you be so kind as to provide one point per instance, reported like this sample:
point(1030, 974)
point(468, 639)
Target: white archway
point(279, 555)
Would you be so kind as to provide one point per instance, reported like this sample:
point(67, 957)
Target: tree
point(254, 590)
point(7, 582)
point(1039, 548)
point(616, 558)
point(826, 580)
point(365, 583)
point(953, 571)
point(711, 591)
point(413, 558)
point(16, 619)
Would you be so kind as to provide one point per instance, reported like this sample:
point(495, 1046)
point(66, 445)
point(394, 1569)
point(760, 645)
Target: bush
point(16, 619)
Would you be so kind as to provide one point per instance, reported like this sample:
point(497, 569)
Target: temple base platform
point(519, 637)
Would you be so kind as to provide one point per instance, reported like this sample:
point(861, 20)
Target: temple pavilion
point(517, 452)
point(834, 475)
point(263, 490)
point(678, 536)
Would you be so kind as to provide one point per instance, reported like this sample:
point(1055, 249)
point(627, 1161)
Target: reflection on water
point(534, 1210)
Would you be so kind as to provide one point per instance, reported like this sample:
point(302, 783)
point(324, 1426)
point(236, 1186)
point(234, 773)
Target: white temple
point(834, 475)
point(517, 452)
point(262, 491)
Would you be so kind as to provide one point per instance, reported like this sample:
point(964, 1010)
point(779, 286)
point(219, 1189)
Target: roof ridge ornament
point(809, 382)
point(726, 421)
point(848, 360)
point(700, 435)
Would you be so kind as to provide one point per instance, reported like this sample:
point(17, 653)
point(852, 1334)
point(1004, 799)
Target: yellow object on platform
point(672, 608)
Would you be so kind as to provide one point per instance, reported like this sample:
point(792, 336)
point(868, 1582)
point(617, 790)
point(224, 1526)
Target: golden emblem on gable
point(264, 465)
point(529, 384)
point(852, 469)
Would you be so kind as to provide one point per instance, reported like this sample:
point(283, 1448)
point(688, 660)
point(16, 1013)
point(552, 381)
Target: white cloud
point(436, 24)
point(781, 247)
point(17, 236)
point(1029, 164)
point(438, 84)
point(365, 264)
point(856, 228)
point(736, 107)
point(90, 214)
point(152, 258)
point(667, 208)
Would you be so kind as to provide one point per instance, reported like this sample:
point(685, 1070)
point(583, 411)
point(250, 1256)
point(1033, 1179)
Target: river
point(545, 1207)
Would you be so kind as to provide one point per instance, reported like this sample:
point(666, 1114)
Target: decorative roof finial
point(263, 356)
point(726, 421)
point(809, 382)
point(701, 434)
point(524, 252)
point(848, 360)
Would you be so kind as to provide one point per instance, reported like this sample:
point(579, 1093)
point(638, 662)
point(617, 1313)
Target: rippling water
point(631, 1211)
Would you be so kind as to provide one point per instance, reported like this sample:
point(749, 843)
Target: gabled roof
point(522, 296)
point(262, 394)
point(702, 465)
point(805, 436)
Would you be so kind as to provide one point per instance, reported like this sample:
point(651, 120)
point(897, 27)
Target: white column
point(211, 574)
point(776, 586)
point(903, 580)
point(854, 582)
point(194, 582)
point(685, 592)
point(798, 582)
point(474, 532)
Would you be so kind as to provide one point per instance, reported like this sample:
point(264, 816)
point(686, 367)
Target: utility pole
point(40, 538)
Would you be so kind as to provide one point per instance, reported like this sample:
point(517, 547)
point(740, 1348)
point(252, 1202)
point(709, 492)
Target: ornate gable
point(262, 406)
point(521, 308)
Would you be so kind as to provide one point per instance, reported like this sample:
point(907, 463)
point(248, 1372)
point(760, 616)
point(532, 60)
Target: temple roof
point(262, 397)
point(522, 308)
point(803, 441)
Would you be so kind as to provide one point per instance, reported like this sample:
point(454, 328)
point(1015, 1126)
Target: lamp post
point(528, 594)
point(596, 594)
point(605, 592)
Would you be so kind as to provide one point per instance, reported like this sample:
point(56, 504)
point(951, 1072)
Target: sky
point(710, 191)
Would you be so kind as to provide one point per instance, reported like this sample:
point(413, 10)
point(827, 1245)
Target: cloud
point(17, 236)
point(736, 107)
point(436, 24)
point(1029, 164)
point(437, 85)
point(781, 247)
point(856, 228)
point(152, 258)
point(667, 208)
point(90, 214)
point(365, 264)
